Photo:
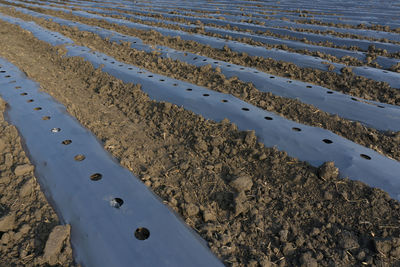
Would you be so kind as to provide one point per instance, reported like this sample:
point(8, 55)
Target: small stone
point(348, 240)
point(22, 170)
point(396, 136)
point(307, 260)
point(173, 202)
point(5, 238)
point(217, 141)
point(26, 189)
point(283, 234)
point(57, 240)
point(2, 145)
point(25, 229)
point(328, 171)
point(266, 263)
point(262, 156)
point(395, 252)
point(7, 223)
point(243, 183)
point(201, 145)
point(383, 245)
point(250, 138)
point(167, 107)
point(253, 263)
point(315, 231)
point(215, 152)
point(346, 70)
point(288, 249)
point(8, 162)
point(209, 216)
point(225, 121)
point(146, 177)
point(328, 195)
point(241, 205)
point(361, 255)
point(192, 210)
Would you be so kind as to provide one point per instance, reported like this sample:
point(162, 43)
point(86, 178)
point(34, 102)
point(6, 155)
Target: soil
point(255, 205)
point(26, 218)
point(236, 193)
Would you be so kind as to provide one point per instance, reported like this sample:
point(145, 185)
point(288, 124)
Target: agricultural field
point(199, 133)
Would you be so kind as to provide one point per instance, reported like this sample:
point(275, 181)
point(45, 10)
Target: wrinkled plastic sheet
point(102, 235)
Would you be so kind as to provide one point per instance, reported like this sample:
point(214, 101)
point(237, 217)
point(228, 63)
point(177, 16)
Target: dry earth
point(255, 205)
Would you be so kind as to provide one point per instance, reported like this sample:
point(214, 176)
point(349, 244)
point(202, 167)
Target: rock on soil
point(328, 171)
point(57, 249)
point(243, 183)
point(21, 170)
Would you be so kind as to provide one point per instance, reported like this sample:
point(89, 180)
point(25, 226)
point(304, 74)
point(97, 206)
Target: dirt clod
point(8, 222)
point(191, 210)
point(348, 240)
point(22, 170)
point(328, 171)
point(242, 183)
point(57, 246)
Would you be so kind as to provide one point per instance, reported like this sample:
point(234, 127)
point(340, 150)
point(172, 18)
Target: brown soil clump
point(385, 143)
point(347, 83)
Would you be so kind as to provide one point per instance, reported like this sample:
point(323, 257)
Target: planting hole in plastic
point(96, 176)
point(66, 142)
point(79, 157)
point(116, 202)
point(365, 156)
point(142, 233)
